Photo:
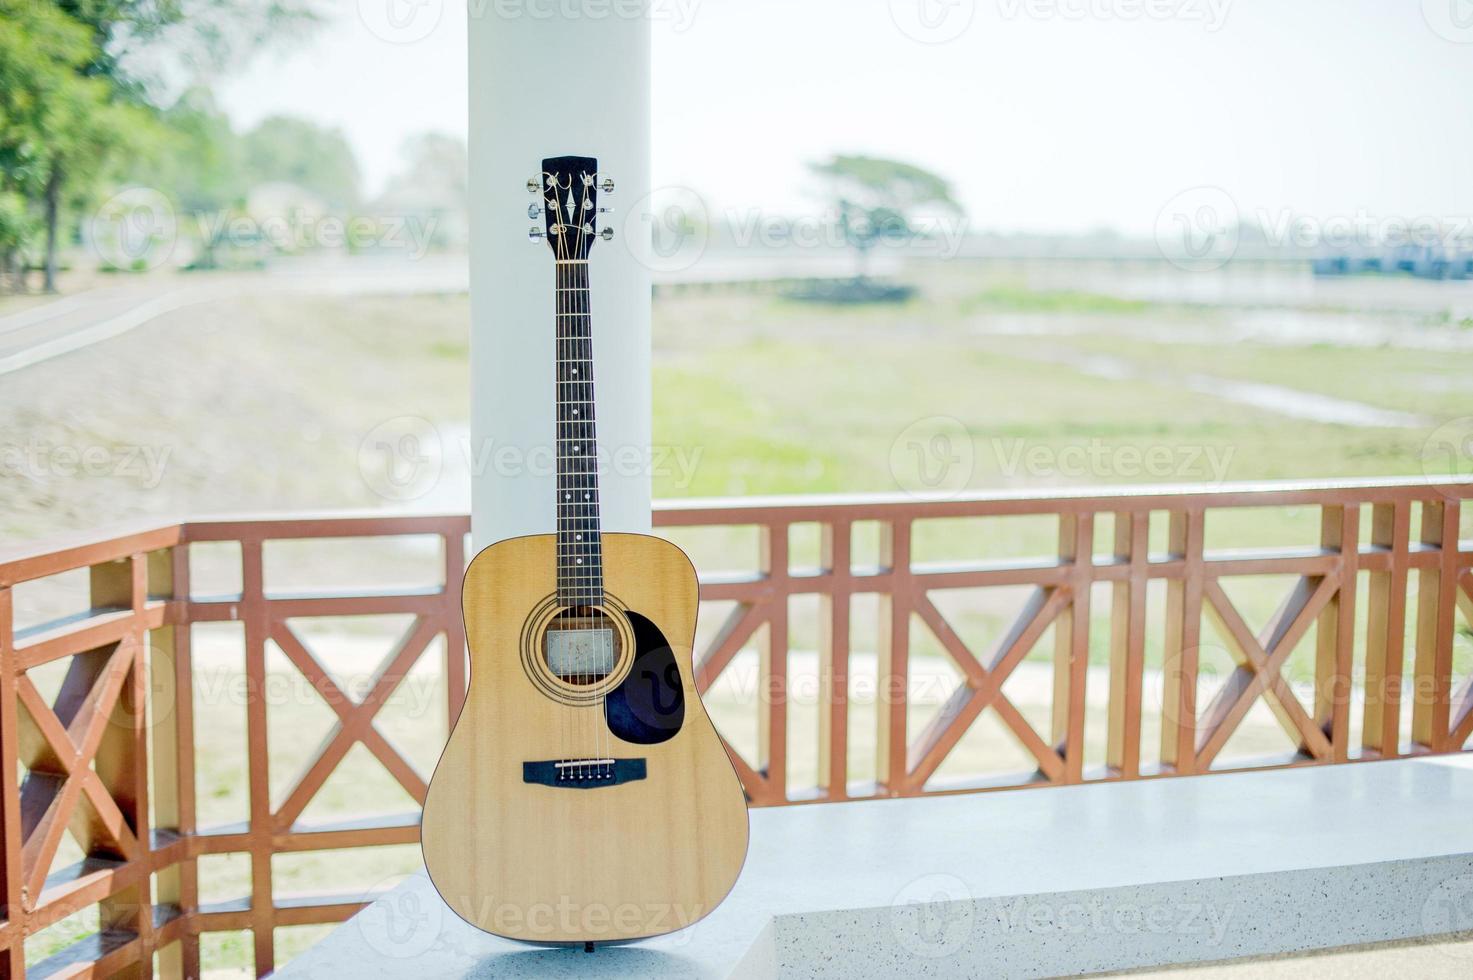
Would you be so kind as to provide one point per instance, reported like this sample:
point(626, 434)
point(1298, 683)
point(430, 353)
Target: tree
point(435, 165)
point(45, 100)
point(134, 46)
point(17, 227)
point(198, 159)
point(433, 186)
point(300, 152)
point(881, 200)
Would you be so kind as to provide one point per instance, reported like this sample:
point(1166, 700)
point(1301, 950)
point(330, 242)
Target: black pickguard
point(649, 706)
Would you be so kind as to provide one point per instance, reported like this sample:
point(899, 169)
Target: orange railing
point(109, 755)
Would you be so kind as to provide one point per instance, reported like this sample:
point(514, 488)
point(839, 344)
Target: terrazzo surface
point(1027, 883)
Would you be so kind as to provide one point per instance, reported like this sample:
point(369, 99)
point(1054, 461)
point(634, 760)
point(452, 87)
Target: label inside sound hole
point(581, 656)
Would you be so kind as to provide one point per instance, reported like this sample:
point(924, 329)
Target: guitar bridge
point(583, 773)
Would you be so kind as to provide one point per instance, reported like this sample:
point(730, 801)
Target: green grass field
point(760, 395)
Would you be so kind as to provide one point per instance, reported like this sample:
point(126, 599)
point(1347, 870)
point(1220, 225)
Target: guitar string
point(580, 498)
point(576, 474)
point(605, 635)
point(582, 479)
point(592, 535)
point(566, 727)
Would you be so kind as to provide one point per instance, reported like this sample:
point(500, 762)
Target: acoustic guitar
point(584, 796)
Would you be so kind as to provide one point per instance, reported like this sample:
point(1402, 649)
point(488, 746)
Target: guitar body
point(583, 812)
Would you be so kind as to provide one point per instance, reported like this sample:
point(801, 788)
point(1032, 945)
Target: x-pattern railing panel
point(88, 772)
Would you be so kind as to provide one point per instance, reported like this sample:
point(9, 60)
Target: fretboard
point(579, 552)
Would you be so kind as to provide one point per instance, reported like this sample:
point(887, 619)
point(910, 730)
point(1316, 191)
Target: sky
point(1048, 116)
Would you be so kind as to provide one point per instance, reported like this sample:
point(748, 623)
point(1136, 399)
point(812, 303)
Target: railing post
point(833, 668)
point(455, 673)
point(1071, 644)
point(1386, 631)
point(253, 611)
point(1181, 658)
point(1127, 644)
point(121, 759)
point(171, 718)
point(893, 668)
point(1335, 632)
point(1436, 621)
point(13, 951)
point(772, 724)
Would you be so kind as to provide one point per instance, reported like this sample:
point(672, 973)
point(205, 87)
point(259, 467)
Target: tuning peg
point(535, 234)
point(533, 185)
point(607, 186)
point(607, 234)
point(534, 211)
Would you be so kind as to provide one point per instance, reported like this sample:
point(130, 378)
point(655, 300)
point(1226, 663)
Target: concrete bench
point(1028, 883)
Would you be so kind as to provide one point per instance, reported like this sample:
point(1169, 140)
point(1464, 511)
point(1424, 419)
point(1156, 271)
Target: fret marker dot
point(576, 449)
point(575, 370)
point(577, 537)
point(585, 496)
point(580, 561)
point(567, 496)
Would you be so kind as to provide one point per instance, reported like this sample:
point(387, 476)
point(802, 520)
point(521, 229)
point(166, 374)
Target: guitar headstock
point(568, 190)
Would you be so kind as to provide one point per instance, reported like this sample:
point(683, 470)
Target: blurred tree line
point(98, 93)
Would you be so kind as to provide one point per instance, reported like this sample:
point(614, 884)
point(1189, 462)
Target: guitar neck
point(579, 541)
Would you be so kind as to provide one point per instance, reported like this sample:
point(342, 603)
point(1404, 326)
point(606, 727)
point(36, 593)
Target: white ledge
point(1032, 883)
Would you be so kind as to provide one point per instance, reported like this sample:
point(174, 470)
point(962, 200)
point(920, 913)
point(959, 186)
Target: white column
point(548, 80)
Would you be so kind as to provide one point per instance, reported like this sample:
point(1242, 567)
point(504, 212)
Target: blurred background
point(1059, 233)
point(900, 246)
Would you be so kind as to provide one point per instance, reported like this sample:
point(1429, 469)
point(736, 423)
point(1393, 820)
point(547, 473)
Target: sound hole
point(581, 645)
